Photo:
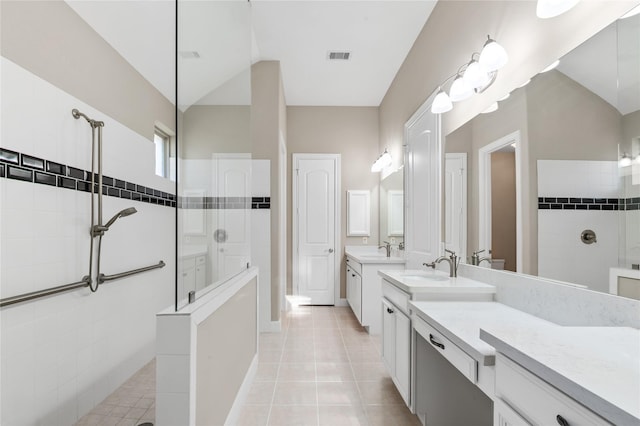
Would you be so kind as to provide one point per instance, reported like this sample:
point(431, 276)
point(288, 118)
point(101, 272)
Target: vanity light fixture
point(551, 8)
point(382, 162)
point(475, 76)
point(625, 161)
point(552, 66)
point(493, 56)
point(524, 84)
point(505, 97)
point(441, 103)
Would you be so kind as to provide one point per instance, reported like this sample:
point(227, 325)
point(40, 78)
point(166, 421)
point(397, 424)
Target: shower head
point(100, 229)
point(93, 123)
point(122, 213)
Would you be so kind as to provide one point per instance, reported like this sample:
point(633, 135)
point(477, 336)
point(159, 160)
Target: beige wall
point(224, 354)
point(210, 128)
point(503, 208)
point(268, 122)
point(80, 62)
point(351, 132)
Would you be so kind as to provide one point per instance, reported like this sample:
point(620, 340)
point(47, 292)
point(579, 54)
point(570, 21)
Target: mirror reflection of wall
point(574, 122)
point(392, 208)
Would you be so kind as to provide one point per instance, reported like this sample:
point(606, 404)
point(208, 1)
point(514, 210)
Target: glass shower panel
point(214, 144)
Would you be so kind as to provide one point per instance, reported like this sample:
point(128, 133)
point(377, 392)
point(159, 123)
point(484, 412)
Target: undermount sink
point(428, 277)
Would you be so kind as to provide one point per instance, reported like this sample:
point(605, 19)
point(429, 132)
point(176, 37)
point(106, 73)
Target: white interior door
point(455, 203)
point(315, 227)
point(232, 236)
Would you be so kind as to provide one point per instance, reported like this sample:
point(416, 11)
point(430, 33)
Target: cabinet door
point(349, 280)
point(200, 277)
point(357, 296)
point(403, 354)
point(189, 280)
point(503, 415)
point(389, 337)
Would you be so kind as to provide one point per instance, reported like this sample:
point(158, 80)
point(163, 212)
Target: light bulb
point(460, 90)
point(474, 76)
point(385, 160)
point(551, 8)
point(493, 56)
point(441, 103)
point(625, 161)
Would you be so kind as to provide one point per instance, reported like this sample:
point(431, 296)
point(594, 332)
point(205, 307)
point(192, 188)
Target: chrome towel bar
point(103, 278)
point(42, 293)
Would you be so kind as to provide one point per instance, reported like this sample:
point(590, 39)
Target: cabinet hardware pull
point(561, 421)
point(353, 275)
point(438, 344)
point(389, 310)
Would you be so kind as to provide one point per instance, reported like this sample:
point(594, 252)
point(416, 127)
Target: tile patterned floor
point(322, 369)
point(131, 404)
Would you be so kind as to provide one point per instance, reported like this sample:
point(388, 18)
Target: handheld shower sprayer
point(100, 229)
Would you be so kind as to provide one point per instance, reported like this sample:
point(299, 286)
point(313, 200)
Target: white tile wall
point(561, 254)
point(62, 355)
point(572, 178)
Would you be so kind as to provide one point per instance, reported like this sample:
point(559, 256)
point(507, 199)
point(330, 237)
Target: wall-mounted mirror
point(544, 169)
point(392, 208)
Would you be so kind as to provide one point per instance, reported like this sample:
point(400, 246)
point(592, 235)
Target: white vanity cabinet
point(192, 274)
point(354, 290)
point(396, 345)
point(523, 395)
point(363, 287)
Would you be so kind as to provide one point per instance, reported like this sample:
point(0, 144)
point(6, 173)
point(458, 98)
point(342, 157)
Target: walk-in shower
point(96, 229)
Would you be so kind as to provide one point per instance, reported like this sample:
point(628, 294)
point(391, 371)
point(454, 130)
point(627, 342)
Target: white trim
point(415, 257)
point(463, 247)
point(243, 392)
point(271, 327)
point(337, 223)
point(282, 194)
point(341, 302)
point(484, 195)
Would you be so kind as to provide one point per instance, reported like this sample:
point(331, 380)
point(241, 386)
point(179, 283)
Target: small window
point(161, 141)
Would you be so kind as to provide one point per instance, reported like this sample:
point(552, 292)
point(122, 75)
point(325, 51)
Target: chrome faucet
point(453, 263)
point(476, 260)
point(387, 245)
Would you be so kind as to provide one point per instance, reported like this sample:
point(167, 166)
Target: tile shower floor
point(322, 369)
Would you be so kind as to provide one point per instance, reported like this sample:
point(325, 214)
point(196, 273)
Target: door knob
point(330, 250)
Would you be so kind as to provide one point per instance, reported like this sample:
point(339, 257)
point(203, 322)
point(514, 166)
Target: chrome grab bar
point(103, 278)
point(46, 292)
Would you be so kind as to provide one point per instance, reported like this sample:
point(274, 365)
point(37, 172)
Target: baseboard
point(271, 327)
point(243, 392)
point(341, 302)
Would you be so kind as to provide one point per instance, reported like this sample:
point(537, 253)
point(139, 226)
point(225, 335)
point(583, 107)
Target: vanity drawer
point(200, 260)
point(536, 400)
point(355, 266)
point(395, 296)
point(456, 356)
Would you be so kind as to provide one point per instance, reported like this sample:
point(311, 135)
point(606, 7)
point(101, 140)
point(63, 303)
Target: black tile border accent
point(222, 203)
point(589, 203)
point(27, 168)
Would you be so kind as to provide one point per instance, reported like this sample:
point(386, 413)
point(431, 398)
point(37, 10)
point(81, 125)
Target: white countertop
point(597, 366)
point(371, 254)
point(460, 322)
point(422, 281)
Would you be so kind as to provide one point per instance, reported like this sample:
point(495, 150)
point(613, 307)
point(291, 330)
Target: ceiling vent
point(338, 56)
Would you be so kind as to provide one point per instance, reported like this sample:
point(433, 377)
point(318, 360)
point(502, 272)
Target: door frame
point(484, 194)
point(337, 217)
point(282, 203)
